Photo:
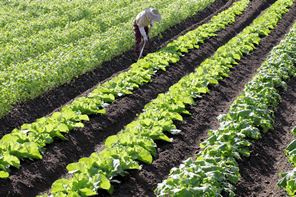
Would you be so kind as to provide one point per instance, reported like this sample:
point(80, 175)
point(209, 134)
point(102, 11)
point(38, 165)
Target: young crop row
point(288, 179)
point(32, 138)
point(136, 141)
point(25, 80)
point(216, 167)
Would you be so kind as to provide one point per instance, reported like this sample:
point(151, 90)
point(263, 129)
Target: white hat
point(153, 14)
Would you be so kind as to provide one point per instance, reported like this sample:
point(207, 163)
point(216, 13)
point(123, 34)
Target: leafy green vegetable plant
point(248, 113)
point(44, 130)
point(288, 179)
point(221, 150)
point(62, 45)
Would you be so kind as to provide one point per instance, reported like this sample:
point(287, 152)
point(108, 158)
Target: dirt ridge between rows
point(45, 104)
point(33, 171)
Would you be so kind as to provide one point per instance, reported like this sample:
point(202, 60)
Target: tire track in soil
point(34, 177)
point(43, 105)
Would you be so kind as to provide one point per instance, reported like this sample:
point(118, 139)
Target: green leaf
point(236, 56)
point(73, 194)
point(173, 60)
point(62, 128)
point(79, 167)
point(60, 185)
point(184, 50)
point(87, 192)
point(232, 178)
point(204, 90)
point(34, 151)
point(294, 130)
point(102, 181)
point(111, 140)
point(213, 81)
point(11, 159)
point(291, 146)
point(60, 194)
point(4, 175)
point(56, 133)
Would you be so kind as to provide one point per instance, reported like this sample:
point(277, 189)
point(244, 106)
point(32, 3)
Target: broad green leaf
point(78, 167)
point(236, 56)
point(60, 185)
point(4, 175)
point(73, 194)
point(102, 181)
point(291, 146)
point(87, 192)
point(11, 159)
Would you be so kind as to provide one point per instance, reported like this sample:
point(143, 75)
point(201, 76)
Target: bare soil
point(259, 171)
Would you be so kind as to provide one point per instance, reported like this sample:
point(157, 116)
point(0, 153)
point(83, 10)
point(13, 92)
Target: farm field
point(260, 171)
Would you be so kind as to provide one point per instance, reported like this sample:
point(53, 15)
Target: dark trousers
point(138, 38)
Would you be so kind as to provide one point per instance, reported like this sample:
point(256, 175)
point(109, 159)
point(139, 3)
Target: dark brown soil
point(259, 172)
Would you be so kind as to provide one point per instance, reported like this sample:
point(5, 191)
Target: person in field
point(141, 30)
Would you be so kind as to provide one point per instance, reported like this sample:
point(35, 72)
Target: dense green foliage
point(45, 45)
point(216, 167)
point(44, 130)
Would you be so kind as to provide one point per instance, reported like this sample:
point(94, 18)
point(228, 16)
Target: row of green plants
point(136, 142)
point(23, 81)
point(288, 179)
point(216, 168)
point(28, 44)
point(30, 141)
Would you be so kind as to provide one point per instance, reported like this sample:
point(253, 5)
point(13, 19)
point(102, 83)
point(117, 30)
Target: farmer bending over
point(143, 19)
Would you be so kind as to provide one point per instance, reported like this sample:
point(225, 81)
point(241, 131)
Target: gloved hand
point(145, 38)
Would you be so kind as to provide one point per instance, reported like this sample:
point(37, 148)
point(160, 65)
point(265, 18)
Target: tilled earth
point(259, 171)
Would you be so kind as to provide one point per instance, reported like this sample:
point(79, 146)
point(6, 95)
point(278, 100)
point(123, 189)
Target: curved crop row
point(136, 141)
point(32, 138)
point(288, 179)
point(216, 167)
point(21, 82)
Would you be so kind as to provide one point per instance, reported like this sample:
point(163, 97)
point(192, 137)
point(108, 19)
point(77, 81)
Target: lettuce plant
point(249, 113)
